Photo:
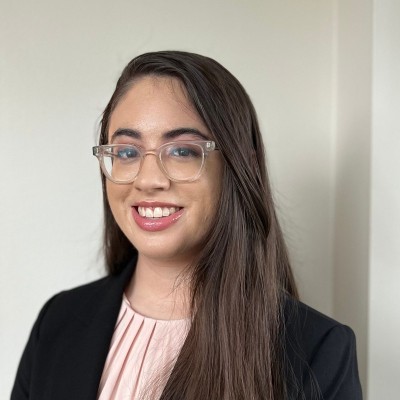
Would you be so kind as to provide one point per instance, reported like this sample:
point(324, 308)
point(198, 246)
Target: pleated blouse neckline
point(142, 349)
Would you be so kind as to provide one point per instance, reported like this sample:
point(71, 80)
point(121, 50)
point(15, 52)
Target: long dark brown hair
point(234, 349)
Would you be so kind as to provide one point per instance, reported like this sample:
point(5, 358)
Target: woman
point(200, 301)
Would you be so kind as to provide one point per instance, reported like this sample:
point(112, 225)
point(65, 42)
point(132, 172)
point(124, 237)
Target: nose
point(150, 176)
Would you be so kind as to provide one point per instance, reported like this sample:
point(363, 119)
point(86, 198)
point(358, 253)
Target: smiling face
point(164, 220)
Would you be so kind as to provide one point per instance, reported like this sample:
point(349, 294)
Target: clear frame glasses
point(180, 161)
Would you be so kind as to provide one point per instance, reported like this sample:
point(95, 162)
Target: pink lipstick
point(155, 224)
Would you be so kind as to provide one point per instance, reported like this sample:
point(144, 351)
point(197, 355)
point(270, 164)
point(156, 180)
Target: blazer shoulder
point(321, 354)
point(76, 295)
point(54, 319)
point(85, 300)
point(311, 325)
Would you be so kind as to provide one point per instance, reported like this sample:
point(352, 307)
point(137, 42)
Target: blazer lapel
point(87, 339)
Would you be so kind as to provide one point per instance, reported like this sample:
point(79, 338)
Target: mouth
point(157, 212)
point(157, 218)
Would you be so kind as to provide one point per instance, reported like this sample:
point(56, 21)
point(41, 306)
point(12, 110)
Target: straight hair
point(239, 283)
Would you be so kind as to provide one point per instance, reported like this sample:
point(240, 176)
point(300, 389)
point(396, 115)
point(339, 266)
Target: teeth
point(157, 212)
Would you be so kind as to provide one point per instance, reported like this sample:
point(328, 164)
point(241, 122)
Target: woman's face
point(149, 113)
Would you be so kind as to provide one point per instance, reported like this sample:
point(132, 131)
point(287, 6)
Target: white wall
point(352, 91)
point(59, 62)
point(367, 193)
point(384, 297)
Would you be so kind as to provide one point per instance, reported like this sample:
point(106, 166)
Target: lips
point(154, 217)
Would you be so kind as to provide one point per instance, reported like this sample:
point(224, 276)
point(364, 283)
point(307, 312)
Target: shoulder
point(84, 302)
point(69, 298)
point(311, 327)
point(68, 306)
point(321, 353)
point(71, 334)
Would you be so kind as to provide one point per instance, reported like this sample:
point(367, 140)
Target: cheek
point(116, 194)
point(211, 205)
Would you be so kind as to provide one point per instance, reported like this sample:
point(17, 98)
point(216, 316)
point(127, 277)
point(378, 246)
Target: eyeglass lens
point(180, 161)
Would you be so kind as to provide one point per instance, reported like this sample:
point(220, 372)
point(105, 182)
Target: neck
point(159, 290)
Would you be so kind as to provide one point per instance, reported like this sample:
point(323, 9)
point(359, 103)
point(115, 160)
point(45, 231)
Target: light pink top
point(141, 348)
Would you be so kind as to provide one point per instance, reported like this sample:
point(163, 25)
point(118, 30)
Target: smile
point(157, 212)
point(153, 219)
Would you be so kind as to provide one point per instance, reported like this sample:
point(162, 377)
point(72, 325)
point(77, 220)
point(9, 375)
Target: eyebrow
point(172, 134)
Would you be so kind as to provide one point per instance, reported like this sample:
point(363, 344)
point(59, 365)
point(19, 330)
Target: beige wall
point(307, 66)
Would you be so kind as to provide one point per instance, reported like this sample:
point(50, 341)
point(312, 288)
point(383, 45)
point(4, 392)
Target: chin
point(155, 253)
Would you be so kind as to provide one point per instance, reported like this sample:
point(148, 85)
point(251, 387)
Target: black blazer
point(68, 346)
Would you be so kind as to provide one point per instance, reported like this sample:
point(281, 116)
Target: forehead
point(154, 105)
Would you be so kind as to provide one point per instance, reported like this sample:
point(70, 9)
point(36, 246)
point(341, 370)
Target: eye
point(127, 153)
point(184, 151)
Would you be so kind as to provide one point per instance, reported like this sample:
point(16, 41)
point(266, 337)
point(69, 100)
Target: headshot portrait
point(195, 206)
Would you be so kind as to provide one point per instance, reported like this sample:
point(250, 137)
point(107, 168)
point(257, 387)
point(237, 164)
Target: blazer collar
point(95, 323)
point(105, 299)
